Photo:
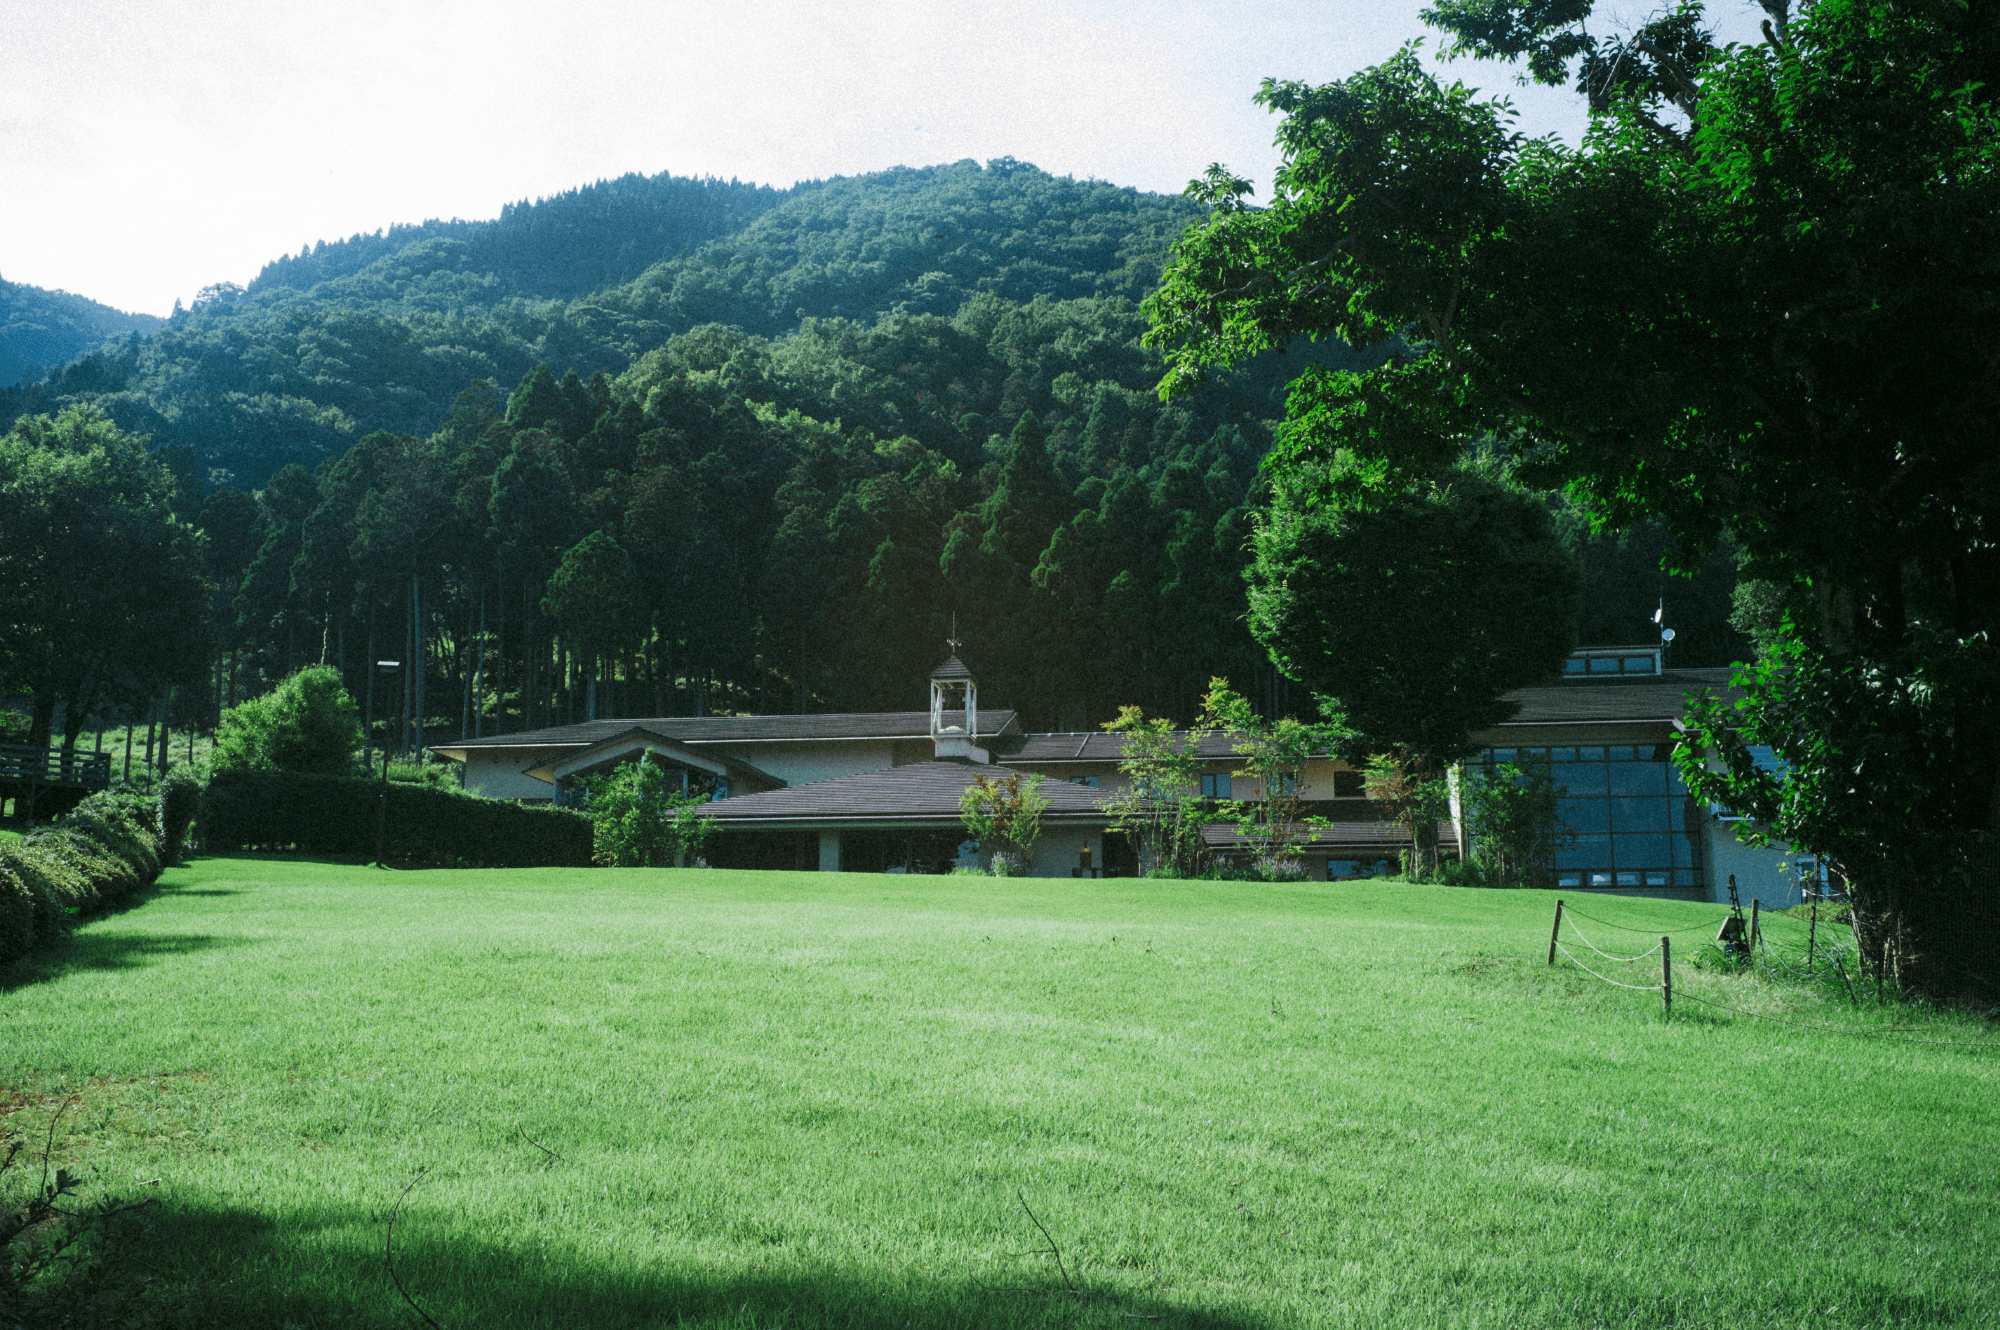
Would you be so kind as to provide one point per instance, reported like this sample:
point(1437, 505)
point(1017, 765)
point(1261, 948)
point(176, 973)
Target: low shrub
point(101, 851)
point(335, 816)
point(176, 806)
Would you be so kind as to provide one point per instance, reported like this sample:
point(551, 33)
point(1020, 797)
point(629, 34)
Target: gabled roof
point(734, 729)
point(951, 671)
point(566, 762)
point(1615, 698)
point(1095, 746)
point(920, 793)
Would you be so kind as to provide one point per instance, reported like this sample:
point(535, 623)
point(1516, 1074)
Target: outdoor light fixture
point(382, 799)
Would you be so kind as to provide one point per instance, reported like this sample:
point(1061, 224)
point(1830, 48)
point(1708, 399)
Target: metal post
point(1555, 929)
point(382, 798)
point(1667, 975)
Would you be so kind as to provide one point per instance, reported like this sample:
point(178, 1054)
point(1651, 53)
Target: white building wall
point(803, 763)
point(496, 773)
point(1763, 874)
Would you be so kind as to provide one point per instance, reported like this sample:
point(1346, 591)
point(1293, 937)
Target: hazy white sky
point(150, 148)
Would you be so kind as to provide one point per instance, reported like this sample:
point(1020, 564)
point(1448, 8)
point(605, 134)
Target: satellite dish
point(1666, 634)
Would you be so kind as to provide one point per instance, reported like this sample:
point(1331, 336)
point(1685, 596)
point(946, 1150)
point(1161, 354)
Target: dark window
point(1215, 787)
point(1349, 785)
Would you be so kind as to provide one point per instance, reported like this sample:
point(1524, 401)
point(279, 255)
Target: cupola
point(955, 713)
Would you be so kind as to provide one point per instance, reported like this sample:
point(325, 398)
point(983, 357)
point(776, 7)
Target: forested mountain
point(248, 381)
point(769, 472)
point(565, 245)
point(42, 329)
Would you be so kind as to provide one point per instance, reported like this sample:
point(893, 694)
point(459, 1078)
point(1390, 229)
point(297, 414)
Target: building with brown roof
point(880, 791)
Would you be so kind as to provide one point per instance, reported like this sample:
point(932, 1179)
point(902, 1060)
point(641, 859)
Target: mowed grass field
point(644, 1098)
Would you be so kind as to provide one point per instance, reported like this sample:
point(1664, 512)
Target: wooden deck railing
point(25, 764)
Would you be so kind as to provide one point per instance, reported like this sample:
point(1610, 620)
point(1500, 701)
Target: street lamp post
point(382, 799)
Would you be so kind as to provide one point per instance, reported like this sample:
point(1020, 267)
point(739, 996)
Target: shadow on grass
point(227, 1267)
point(100, 951)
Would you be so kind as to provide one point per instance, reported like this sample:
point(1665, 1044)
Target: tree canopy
point(1753, 305)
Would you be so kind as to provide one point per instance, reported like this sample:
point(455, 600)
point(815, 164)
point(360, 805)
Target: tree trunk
point(42, 717)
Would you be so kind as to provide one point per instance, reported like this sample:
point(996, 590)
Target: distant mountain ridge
point(41, 329)
point(565, 245)
point(383, 332)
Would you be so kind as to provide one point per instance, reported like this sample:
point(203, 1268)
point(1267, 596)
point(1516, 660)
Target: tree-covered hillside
point(248, 381)
point(565, 245)
point(40, 329)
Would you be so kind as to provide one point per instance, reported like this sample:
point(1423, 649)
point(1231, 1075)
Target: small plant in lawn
point(1160, 809)
point(641, 823)
point(1516, 825)
point(1005, 814)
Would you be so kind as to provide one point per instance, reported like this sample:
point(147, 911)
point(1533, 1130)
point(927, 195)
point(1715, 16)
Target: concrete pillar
point(829, 852)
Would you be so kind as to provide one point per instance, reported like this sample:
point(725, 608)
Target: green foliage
point(1513, 814)
point(101, 594)
point(307, 723)
point(177, 803)
point(1765, 325)
point(1414, 796)
point(1159, 808)
point(638, 822)
point(43, 329)
point(1005, 816)
point(245, 809)
point(101, 851)
point(1274, 755)
point(1414, 610)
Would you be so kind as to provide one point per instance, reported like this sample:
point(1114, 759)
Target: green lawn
point(658, 1098)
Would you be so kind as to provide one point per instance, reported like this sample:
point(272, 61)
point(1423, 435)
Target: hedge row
point(102, 849)
point(335, 816)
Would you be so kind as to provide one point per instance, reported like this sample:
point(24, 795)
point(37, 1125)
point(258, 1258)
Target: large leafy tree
point(1756, 303)
point(102, 598)
point(1413, 613)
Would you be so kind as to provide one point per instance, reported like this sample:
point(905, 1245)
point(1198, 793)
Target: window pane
point(1569, 879)
point(1638, 664)
point(1604, 664)
point(1588, 852)
point(1620, 754)
point(1584, 816)
point(1573, 666)
point(1584, 779)
point(1638, 778)
point(1562, 754)
point(1349, 785)
point(1655, 878)
point(1628, 879)
point(1643, 851)
point(1639, 815)
point(1602, 879)
point(1502, 754)
point(1683, 852)
point(1590, 754)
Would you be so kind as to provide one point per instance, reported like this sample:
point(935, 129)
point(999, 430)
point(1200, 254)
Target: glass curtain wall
point(1633, 822)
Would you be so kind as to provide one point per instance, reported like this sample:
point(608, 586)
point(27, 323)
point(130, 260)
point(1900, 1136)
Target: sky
point(149, 148)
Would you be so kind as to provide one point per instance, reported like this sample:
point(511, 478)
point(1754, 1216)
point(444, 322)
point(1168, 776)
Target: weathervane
point(952, 641)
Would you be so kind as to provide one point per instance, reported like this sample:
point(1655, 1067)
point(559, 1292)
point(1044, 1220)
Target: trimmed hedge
point(335, 816)
point(102, 850)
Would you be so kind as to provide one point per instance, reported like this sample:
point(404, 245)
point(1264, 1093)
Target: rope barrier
point(1637, 988)
point(1568, 910)
point(1650, 951)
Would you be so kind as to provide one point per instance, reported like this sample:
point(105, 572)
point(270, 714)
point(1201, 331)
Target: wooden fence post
point(1754, 934)
point(1555, 929)
point(1667, 975)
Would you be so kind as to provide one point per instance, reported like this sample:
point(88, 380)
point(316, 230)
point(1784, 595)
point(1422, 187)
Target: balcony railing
point(25, 764)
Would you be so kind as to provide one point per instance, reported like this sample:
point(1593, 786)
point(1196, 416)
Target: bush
point(307, 723)
point(335, 816)
point(639, 823)
point(101, 851)
point(175, 808)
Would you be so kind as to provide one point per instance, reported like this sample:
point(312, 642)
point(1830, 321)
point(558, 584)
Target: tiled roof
point(952, 670)
point(1661, 697)
point(920, 791)
point(737, 729)
point(1096, 746)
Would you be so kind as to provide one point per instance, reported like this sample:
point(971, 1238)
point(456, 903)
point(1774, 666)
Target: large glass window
point(1628, 812)
point(1216, 786)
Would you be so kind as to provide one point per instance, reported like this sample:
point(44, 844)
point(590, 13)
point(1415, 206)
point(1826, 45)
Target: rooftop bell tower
point(955, 712)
